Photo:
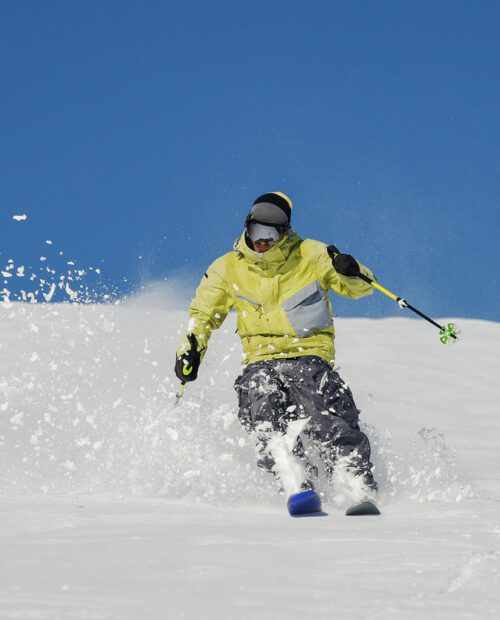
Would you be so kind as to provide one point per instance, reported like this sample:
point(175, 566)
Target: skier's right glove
point(187, 364)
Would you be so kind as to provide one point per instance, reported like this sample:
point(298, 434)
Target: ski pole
point(448, 334)
point(179, 393)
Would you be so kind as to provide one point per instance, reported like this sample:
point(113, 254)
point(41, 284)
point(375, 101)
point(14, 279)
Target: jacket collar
point(274, 258)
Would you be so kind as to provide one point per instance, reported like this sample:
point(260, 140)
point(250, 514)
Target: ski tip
point(306, 502)
point(365, 507)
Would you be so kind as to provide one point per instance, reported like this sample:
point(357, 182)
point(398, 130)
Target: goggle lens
point(260, 232)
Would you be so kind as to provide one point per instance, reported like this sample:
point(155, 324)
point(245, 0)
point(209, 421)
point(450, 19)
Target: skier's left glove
point(344, 264)
point(187, 364)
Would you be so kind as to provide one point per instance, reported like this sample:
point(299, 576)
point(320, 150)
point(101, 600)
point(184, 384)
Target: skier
point(278, 284)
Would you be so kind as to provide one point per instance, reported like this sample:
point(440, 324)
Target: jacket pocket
point(308, 310)
point(257, 305)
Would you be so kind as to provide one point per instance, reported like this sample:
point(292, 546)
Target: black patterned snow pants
point(272, 393)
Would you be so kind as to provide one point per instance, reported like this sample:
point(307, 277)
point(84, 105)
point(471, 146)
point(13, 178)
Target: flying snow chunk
point(20, 218)
point(48, 296)
point(17, 420)
point(173, 434)
point(73, 295)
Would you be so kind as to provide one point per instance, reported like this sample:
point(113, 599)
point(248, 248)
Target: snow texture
point(115, 505)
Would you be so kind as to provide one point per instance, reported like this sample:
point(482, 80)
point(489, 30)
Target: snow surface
point(115, 505)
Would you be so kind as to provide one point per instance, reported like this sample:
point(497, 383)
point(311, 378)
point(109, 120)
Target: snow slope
point(113, 505)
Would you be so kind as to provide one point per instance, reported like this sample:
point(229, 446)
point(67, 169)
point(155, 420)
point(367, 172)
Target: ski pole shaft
point(179, 393)
point(402, 302)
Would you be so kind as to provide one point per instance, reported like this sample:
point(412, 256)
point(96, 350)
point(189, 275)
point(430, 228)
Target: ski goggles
point(261, 232)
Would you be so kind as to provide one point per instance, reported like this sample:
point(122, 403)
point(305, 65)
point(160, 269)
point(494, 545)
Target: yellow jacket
point(280, 296)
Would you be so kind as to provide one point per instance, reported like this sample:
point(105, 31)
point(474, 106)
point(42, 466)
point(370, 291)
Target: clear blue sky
point(146, 129)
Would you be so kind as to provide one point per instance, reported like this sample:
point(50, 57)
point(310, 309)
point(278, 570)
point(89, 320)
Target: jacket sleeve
point(331, 279)
point(347, 286)
point(209, 308)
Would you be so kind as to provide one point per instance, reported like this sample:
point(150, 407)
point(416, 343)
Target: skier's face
point(263, 237)
point(262, 245)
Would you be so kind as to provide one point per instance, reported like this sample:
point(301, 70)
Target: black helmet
point(272, 209)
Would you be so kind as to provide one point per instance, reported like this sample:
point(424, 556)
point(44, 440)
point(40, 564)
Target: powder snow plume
point(87, 394)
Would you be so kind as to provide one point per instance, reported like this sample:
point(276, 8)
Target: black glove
point(344, 264)
point(187, 365)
